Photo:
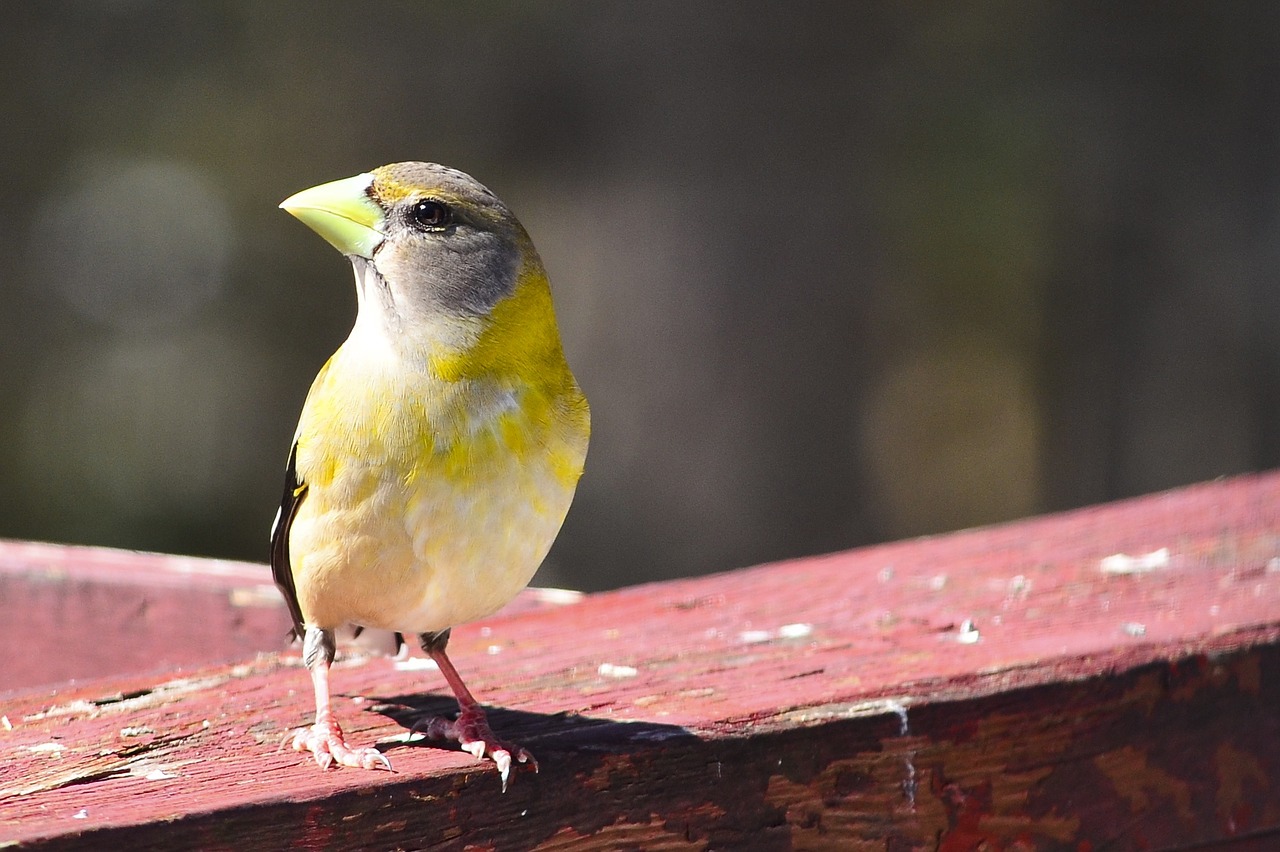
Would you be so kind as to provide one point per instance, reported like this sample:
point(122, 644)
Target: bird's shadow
point(539, 732)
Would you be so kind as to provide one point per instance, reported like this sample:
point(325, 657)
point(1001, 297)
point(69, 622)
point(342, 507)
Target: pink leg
point(471, 729)
point(324, 739)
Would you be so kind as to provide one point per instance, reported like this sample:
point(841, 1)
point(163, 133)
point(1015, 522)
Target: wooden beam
point(86, 612)
point(1101, 679)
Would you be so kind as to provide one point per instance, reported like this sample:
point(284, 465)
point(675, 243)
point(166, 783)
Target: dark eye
point(430, 215)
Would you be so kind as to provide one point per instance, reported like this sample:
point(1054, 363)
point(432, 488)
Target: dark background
point(829, 273)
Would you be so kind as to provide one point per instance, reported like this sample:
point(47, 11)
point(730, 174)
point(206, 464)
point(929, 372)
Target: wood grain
point(1101, 679)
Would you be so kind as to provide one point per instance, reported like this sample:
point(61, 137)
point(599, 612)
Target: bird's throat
point(518, 340)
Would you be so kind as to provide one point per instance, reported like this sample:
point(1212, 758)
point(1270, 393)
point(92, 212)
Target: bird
point(438, 449)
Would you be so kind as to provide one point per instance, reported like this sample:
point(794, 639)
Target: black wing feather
point(281, 570)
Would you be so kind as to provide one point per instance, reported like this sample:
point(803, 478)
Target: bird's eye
point(430, 215)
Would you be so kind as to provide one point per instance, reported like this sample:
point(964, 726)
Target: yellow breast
point(434, 493)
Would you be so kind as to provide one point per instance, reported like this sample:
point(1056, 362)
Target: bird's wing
point(281, 570)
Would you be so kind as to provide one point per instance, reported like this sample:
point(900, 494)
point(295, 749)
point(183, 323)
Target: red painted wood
point(994, 689)
point(85, 612)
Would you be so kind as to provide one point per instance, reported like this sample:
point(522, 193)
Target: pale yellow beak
point(343, 213)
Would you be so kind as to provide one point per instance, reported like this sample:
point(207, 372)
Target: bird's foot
point(325, 741)
point(471, 731)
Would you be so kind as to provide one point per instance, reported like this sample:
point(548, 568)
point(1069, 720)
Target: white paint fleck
point(795, 631)
point(900, 710)
point(158, 775)
point(493, 650)
point(909, 783)
point(136, 731)
point(559, 597)
point(968, 634)
point(416, 664)
point(1273, 564)
point(1133, 628)
point(612, 670)
point(83, 813)
point(1123, 563)
point(405, 737)
point(47, 748)
point(786, 631)
point(938, 583)
point(4, 720)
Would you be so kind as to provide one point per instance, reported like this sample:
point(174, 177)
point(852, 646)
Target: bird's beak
point(343, 213)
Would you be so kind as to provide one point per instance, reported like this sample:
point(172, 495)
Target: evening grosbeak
point(439, 448)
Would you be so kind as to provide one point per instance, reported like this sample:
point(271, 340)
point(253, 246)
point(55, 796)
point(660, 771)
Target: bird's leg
point(324, 739)
point(471, 729)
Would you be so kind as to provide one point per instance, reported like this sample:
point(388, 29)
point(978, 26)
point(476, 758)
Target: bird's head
point(442, 265)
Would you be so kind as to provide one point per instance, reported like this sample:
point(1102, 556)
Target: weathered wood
point(85, 612)
point(1101, 679)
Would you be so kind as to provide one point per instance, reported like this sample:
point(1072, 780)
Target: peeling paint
point(1055, 732)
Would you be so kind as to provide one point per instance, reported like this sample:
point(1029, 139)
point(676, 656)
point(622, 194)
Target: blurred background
point(830, 273)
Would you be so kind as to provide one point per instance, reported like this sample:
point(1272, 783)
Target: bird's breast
point(429, 502)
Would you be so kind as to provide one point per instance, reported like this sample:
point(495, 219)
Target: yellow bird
point(439, 448)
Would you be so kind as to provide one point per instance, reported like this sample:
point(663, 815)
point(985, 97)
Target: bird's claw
point(472, 733)
point(327, 745)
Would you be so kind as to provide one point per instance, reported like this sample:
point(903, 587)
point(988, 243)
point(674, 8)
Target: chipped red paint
point(965, 809)
point(825, 703)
